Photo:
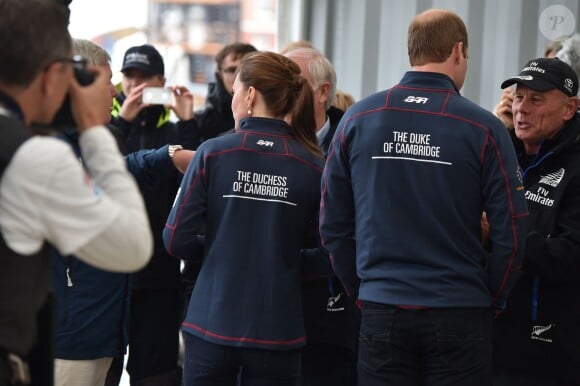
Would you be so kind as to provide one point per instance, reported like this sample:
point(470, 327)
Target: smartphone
point(157, 96)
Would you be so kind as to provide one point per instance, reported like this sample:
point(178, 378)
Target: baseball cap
point(545, 74)
point(145, 58)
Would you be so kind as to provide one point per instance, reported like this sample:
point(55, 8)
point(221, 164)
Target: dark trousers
point(41, 357)
point(154, 337)
point(426, 347)
point(510, 377)
point(209, 364)
point(327, 365)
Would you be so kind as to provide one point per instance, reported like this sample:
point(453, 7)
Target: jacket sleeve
point(149, 167)
point(555, 258)
point(506, 211)
point(187, 215)
point(189, 136)
point(337, 227)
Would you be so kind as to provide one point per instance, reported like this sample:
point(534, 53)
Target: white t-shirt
point(45, 195)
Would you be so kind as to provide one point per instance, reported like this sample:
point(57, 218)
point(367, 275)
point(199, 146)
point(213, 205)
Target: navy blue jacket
point(92, 304)
point(256, 193)
point(409, 173)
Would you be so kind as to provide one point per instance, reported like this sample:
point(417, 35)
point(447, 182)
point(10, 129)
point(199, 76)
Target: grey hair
point(320, 68)
point(93, 53)
point(570, 52)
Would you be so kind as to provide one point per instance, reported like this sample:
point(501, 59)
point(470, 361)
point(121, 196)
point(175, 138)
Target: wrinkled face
point(539, 115)
point(227, 70)
point(133, 77)
point(240, 104)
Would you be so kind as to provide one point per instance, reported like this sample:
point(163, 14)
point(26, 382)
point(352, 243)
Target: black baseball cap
point(545, 74)
point(145, 58)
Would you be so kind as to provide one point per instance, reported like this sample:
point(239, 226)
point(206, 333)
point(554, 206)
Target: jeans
point(427, 347)
point(210, 364)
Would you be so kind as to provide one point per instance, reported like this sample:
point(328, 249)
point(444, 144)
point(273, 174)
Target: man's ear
point(49, 79)
point(571, 108)
point(458, 52)
point(324, 92)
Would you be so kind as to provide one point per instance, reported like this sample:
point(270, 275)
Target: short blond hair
point(342, 100)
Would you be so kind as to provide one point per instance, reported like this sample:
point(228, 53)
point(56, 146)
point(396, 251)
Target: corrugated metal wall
point(367, 39)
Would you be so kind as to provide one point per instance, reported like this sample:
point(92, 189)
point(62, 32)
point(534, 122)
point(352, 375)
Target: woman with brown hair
point(256, 193)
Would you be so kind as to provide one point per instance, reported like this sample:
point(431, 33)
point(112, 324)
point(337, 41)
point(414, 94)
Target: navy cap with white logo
point(145, 58)
point(545, 74)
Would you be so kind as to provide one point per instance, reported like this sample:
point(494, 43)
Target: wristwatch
point(171, 149)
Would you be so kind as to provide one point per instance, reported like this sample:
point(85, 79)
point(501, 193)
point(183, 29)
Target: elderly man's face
point(540, 115)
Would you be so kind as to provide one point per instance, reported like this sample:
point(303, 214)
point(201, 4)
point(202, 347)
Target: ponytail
point(303, 123)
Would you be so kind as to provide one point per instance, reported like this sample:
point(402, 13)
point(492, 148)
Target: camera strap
point(9, 107)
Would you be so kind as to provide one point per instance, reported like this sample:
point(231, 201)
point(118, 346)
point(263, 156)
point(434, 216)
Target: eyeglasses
point(77, 61)
point(230, 70)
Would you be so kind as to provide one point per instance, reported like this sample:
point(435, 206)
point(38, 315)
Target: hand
point(133, 103)
point(484, 229)
point(503, 110)
point(91, 105)
point(183, 106)
point(181, 159)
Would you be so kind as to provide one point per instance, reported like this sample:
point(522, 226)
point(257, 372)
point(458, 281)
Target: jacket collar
point(433, 80)
point(266, 125)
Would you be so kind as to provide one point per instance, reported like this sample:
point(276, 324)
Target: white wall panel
point(367, 39)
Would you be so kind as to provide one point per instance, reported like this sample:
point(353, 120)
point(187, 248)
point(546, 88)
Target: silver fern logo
point(553, 179)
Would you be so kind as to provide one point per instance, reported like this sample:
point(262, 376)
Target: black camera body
point(63, 120)
point(82, 75)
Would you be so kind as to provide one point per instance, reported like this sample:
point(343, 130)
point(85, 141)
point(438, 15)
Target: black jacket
point(330, 316)
point(151, 129)
point(217, 116)
point(540, 331)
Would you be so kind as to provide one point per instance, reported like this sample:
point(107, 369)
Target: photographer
point(45, 195)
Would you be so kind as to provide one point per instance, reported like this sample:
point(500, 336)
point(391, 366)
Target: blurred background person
point(342, 100)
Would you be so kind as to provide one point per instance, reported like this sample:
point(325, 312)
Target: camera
point(63, 120)
point(82, 75)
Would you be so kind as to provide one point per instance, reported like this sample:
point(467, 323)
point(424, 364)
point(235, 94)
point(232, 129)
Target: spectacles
point(77, 61)
point(230, 69)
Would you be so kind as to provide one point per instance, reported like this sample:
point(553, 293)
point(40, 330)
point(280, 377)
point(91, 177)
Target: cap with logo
point(545, 74)
point(145, 58)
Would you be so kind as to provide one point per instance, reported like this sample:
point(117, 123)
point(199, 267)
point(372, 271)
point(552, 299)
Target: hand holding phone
point(157, 96)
